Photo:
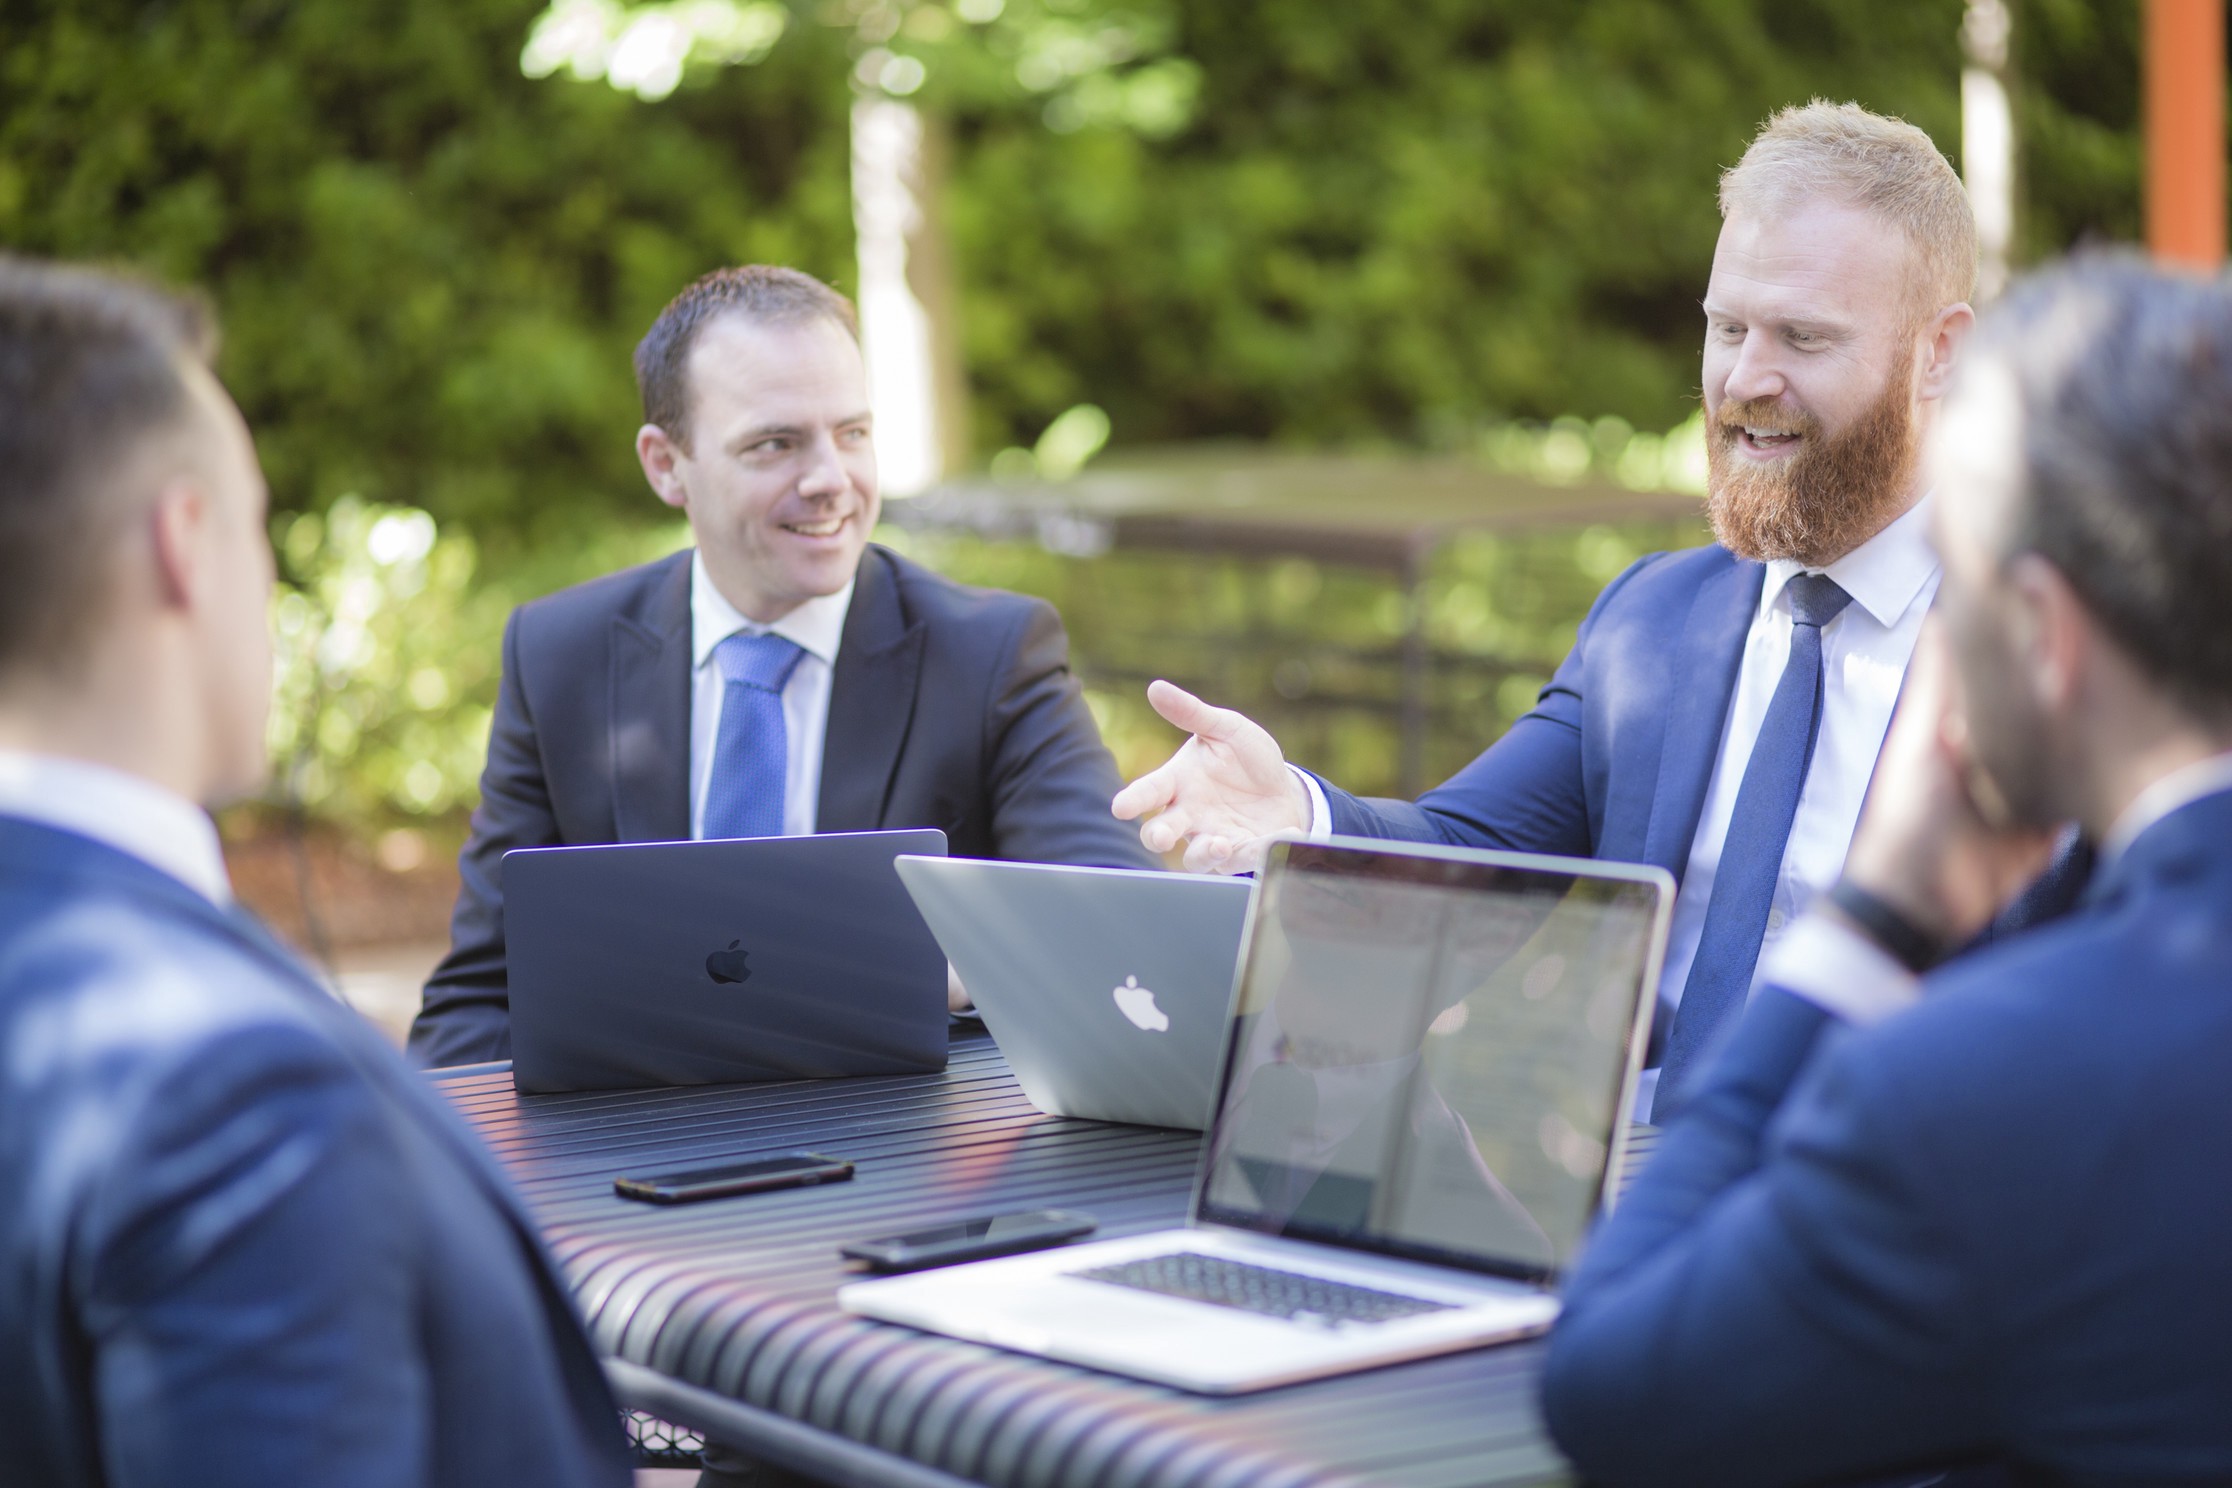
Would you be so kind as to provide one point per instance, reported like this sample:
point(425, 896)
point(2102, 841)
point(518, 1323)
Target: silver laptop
point(1427, 1084)
point(1108, 989)
point(697, 963)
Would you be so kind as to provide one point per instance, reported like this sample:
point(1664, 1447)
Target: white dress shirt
point(132, 815)
point(816, 627)
point(1892, 578)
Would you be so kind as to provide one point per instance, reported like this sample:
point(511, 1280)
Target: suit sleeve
point(245, 1278)
point(1525, 793)
point(465, 1017)
point(1049, 777)
point(1775, 1301)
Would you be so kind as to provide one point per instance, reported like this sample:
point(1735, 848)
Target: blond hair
point(1845, 153)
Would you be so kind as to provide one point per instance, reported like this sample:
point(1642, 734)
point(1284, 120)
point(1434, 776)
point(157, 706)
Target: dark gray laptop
point(701, 963)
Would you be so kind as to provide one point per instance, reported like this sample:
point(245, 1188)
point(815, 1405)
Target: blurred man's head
point(1838, 300)
point(134, 570)
point(2085, 461)
point(756, 424)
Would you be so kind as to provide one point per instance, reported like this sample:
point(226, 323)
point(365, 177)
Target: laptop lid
point(692, 963)
point(1433, 1051)
point(1108, 989)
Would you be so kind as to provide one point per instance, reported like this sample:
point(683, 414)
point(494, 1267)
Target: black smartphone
point(758, 1175)
point(970, 1240)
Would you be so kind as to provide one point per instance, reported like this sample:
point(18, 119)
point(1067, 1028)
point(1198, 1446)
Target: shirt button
point(1774, 920)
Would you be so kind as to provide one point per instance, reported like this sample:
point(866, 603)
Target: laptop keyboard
point(1259, 1289)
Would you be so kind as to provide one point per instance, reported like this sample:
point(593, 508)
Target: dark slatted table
point(720, 1316)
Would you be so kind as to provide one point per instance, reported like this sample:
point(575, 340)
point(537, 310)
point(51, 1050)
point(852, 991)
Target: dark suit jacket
point(240, 1241)
point(1616, 756)
point(950, 707)
point(1993, 1226)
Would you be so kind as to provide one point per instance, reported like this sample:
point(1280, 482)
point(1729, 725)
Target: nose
point(825, 473)
point(1756, 373)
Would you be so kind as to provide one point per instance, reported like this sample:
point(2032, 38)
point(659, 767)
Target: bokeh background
point(1365, 251)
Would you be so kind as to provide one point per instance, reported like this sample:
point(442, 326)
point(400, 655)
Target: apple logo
point(728, 966)
point(1138, 1004)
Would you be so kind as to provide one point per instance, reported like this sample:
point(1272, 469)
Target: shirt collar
point(126, 812)
point(2181, 787)
point(816, 627)
point(1884, 575)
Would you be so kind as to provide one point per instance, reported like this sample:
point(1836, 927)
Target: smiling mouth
point(828, 528)
point(1760, 441)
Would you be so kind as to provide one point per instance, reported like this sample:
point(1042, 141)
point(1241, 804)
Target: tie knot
point(764, 661)
point(1815, 599)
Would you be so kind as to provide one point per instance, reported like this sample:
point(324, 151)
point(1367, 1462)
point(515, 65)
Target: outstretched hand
point(1934, 839)
point(1225, 793)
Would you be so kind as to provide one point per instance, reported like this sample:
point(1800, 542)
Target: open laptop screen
point(1430, 1051)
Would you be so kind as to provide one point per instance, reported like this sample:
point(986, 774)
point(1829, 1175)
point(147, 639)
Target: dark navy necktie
point(751, 750)
point(1752, 854)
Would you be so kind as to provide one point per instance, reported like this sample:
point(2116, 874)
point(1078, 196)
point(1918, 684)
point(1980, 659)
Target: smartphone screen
point(781, 1170)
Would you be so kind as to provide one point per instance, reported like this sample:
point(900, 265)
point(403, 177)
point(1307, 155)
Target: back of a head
point(1843, 153)
point(93, 370)
point(2122, 376)
point(763, 293)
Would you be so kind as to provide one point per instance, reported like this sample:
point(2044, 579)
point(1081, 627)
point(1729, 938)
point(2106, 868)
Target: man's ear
point(2055, 633)
point(178, 527)
point(658, 454)
point(1941, 343)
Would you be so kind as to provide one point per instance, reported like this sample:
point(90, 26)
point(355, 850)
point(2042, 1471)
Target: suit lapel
point(871, 701)
point(650, 724)
point(1705, 671)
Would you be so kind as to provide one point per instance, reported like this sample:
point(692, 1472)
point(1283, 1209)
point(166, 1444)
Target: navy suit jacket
point(949, 707)
point(1993, 1227)
point(240, 1241)
point(1617, 754)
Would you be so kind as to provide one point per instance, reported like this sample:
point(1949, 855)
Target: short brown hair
point(1846, 153)
point(92, 366)
point(762, 292)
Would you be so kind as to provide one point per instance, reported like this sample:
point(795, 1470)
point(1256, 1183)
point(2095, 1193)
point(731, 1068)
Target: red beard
point(1821, 503)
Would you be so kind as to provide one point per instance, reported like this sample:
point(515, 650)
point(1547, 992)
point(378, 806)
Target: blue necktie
point(751, 753)
point(1751, 856)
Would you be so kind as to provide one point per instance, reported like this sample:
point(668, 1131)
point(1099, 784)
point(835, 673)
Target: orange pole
point(2185, 131)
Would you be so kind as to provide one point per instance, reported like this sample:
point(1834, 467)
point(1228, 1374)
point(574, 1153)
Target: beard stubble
point(1820, 504)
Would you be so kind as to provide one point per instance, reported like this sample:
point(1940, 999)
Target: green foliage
point(431, 270)
point(387, 651)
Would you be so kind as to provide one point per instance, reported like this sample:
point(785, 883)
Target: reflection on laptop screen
point(1428, 1055)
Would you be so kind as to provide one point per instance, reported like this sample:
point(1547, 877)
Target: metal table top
point(722, 1314)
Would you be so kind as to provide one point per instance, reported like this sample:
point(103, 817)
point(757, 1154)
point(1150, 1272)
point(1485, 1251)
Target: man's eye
point(769, 447)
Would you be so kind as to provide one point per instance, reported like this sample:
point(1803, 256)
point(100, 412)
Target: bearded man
point(1722, 708)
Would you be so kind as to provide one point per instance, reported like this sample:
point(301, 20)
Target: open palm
point(1224, 794)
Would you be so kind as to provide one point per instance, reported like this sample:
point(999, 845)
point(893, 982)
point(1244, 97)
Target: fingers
point(1183, 710)
point(1150, 793)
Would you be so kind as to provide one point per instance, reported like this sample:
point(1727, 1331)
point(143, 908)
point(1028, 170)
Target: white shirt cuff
point(1321, 814)
point(1840, 970)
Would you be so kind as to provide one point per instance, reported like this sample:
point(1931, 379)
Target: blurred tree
point(431, 269)
point(1360, 222)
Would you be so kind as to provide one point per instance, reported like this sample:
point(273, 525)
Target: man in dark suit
point(240, 1241)
point(1721, 710)
point(786, 677)
point(1978, 1215)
